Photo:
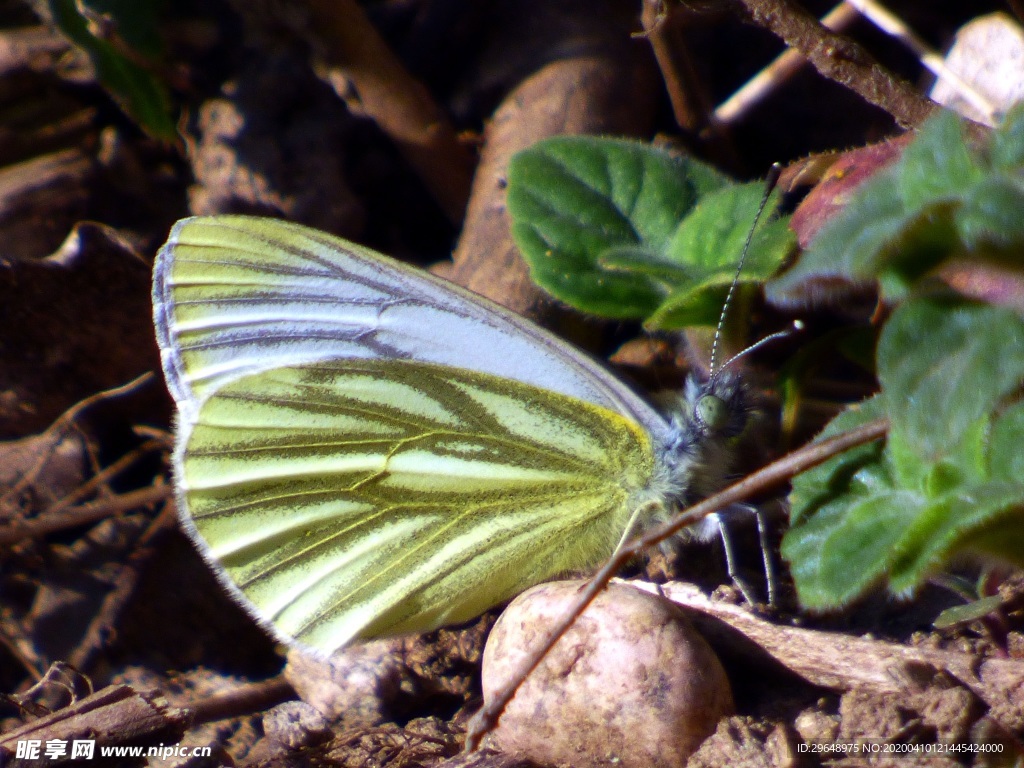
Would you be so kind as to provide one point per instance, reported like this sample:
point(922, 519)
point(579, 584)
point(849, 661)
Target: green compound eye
point(712, 412)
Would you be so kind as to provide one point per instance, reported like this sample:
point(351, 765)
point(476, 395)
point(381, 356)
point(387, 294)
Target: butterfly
point(364, 450)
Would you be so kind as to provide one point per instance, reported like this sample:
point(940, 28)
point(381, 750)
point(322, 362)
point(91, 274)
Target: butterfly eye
point(712, 412)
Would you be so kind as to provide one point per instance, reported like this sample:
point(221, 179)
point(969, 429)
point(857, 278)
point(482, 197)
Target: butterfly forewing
point(358, 498)
point(234, 295)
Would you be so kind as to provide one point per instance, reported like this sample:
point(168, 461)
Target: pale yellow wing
point(360, 498)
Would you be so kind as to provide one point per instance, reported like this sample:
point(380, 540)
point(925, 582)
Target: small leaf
point(693, 305)
point(1006, 456)
point(138, 23)
point(643, 261)
point(962, 520)
point(853, 244)
point(136, 90)
point(945, 365)
point(1007, 151)
point(710, 243)
point(991, 215)
point(623, 230)
point(963, 614)
point(937, 164)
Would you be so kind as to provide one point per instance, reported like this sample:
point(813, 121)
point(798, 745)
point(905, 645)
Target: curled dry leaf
point(837, 182)
point(631, 680)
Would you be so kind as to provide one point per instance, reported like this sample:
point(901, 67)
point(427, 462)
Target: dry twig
point(841, 59)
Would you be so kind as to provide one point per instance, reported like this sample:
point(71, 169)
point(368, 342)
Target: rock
point(630, 684)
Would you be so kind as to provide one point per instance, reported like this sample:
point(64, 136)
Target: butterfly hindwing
point(364, 497)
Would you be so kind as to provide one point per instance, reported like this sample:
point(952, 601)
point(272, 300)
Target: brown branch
point(691, 102)
point(842, 60)
point(403, 108)
point(104, 476)
point(117, 714)
point(67, 421)
point(664, 23)
point(242, 700)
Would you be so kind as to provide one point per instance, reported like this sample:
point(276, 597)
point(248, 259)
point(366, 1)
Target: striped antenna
point(769, 184)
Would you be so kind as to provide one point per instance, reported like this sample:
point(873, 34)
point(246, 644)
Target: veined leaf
point(623, 230)
point(946, 481)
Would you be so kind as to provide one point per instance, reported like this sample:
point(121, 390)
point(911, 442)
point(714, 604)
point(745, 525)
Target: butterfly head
point(714, 408)
point(709, 416)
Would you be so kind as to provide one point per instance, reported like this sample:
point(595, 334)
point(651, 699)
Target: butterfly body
point(366, 450)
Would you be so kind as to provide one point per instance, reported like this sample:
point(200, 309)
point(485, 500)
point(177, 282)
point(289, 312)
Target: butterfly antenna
point(769, 184)
point(797, 327)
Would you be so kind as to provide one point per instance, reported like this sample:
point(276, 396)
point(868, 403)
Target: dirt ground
point(111, 624)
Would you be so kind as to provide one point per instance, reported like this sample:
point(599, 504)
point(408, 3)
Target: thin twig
point(242, 700)
point(98, 632)
point(83, 515)
point(778, 72)
point(663, 23)
point(66, 421)
point(777, 472)
point(397, 102)
point(841, 59)
point(104, 475)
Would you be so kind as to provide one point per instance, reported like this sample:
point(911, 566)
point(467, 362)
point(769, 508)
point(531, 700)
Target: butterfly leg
point(632, 526)
point(730, 557)
point(768, 562)
point(771, 576)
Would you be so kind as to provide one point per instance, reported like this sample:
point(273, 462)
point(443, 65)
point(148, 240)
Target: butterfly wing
point(234, 295)
point(359, 498)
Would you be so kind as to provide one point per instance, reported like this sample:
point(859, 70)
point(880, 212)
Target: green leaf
point(709, 242)
point(855, 243)
point(949, 479)
point(991, 214)
point(846, 517)
point(1007, 151)
point(819, 486)
point(138, 23)
point(945, 365)
point(1007, 458)
point(623, 230)
point(963, 519)
point(962, 614)
point(937, 164)
point(135, 89)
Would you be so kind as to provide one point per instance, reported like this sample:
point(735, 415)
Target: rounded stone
point(631, 684)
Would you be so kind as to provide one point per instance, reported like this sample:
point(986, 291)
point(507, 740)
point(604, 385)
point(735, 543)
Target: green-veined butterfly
point(364, 449)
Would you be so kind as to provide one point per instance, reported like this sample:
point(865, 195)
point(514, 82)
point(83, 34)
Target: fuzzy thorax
point(697, 457)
